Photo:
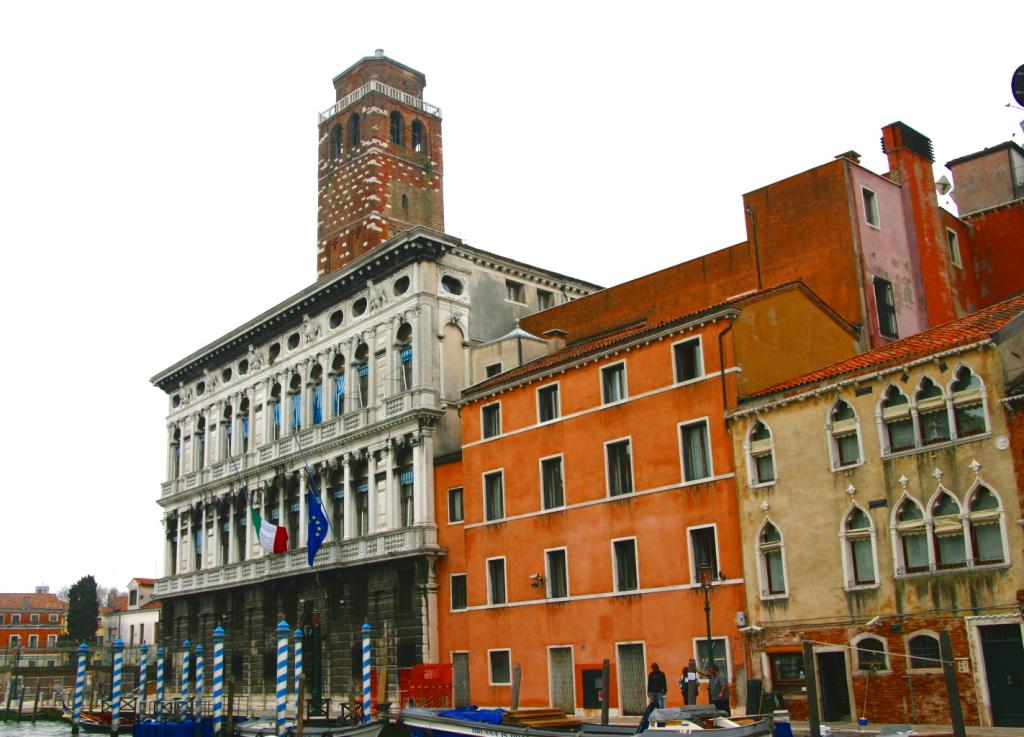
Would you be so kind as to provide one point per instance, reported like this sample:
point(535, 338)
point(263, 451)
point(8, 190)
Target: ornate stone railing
point(375, 86)
point(355, 551)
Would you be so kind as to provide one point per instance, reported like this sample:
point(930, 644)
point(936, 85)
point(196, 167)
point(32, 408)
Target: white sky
point(158, 182)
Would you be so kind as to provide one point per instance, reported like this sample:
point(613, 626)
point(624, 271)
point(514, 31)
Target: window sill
point(614, 402)
point(936, 446)
point(873, 671)
point(763, 484)
point(774, 597)
point(685, 382)
point(952, 569)
point(457, 522)
point(862, 587)
point(849, 467)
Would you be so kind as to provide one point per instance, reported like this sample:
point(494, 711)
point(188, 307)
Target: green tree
point(83, 610)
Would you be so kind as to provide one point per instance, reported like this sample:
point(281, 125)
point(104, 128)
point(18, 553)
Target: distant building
point(136, 616)
point(32, 622)
point(893, 513)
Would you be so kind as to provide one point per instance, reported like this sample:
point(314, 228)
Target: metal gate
point(632, 679)
point(460, 678)
point(563, 690)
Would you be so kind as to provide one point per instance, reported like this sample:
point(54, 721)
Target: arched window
point(397, 128)
point(899, 425)
point(419, 142)
point(337, 141)
point(859, 552)
point(761, 454)
point(275, 400)
point(295, 392)
point(924, 651)
point(226, 433)
point(404, 350)
point(968, 403)
point(844, 430)
point(871, 654)
point(362, 367)
point(948, 529)
point(986, 520)
point(773, 567)
point(316, 377)
point(176, 454)
point(338, 369)
point(353, 133)
point(932, 415)
point(243, 414)
point(201, 443)
point(912, 537)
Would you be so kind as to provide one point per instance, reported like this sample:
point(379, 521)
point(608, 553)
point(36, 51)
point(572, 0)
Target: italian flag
point(273, 538)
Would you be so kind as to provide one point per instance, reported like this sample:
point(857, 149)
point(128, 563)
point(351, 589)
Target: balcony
point(360, 420)
point(357, 551)
point(375, 86)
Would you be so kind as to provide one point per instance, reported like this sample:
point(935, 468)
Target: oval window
point(293, 341)
point(451, 285)
point(359, 306)
point(175, 401)
point(243, 367)
point(200, 388)
point(401, 285)
point(274, 352)
point(336, 318)
point(225, 375)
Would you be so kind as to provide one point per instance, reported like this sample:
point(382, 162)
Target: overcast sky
point(158, 180)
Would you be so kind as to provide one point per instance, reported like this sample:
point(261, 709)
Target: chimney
point(851, 155)
point(556, 339)
point(910, 165)
point(44, 589)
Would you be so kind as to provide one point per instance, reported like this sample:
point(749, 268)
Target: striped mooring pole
point(76, 714)
point(159, 681)
point(367, 702)
point(297, 667)
point(115, 706)
point(218, 681)
point(143, 667)
point(200, 675)
point(283, 630)
point(184, 677)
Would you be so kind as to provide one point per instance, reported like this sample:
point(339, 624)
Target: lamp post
point(706, 578)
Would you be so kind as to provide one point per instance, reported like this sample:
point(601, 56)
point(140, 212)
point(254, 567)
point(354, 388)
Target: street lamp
point(706, 577)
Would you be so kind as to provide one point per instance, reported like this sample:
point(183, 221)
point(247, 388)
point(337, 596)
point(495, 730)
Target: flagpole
point(309, 475)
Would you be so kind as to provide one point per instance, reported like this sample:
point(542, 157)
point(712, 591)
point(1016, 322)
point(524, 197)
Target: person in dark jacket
point(657, 686)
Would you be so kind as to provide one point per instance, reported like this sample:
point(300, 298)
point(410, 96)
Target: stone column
point(203, 552)
point(430, 634)
point(423, 476)
point(327, 385)
point(349, 499)
point(229, 519)
point(170, 452)
point(247, 553)
point(326, 496)
point(286, 403)
point(372, 491)
point(217, 532)
point(282, 507)
point(392, 507)
point(263, 515)
point(182, 563)
point(251, 392)
point(169, 562)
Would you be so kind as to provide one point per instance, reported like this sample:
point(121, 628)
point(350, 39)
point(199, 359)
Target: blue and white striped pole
point(184, 677)
point(283, 630)
point(115, 707)
point(143, 666)
point(297, 667)
point(367, 705)
point(159, 681)
point(76, 714)
point(200, 677)
point(218, 681)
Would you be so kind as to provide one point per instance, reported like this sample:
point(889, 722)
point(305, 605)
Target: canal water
point(39, 729)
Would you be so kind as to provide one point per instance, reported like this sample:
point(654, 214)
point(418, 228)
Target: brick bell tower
point(380, 166)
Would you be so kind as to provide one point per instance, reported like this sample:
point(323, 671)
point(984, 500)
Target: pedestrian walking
point(657, 686)
point(718, 691)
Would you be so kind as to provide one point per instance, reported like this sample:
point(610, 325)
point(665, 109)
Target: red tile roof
point(144, 581)
point(27, 602)
point(574, 352)
point(154, 604)
point(963, 331)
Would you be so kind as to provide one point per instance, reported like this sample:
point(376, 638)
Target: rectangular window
point(934, 425)
point(551, 482)
point(455, 511)
point(547, 403)
point(705, 551)
point(500, 667)
point(405, 496)
point(787, 672)
point(363, 374)
point(774, 571)
point(318, 403)
point(613, 383)
point(492, 369)
point(339, 394)
point(490, 419)
point(362, 508)
point(51, 640)
point(133, 597)
point(494, 496)
point(849, 450)
point(620, 467)
point(515, 291)
point(556, 573)
point(901, 434)
point(405, 356)
point(297, 411)
point(688, 362)
point(870, 207)
point(718, 655)
point(885, 303)
point(863, 561)
point(696, 457)
point(33, 641)
point(915, 552)
point(33, 619)
point(970, 419)
point(53, 618)
point(626, 578)
point(458, 591)
point(953, 244)
point(496, 581)
point(545, 299)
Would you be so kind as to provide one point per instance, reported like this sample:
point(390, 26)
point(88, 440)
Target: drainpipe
point(721, 363)
point(757, 251)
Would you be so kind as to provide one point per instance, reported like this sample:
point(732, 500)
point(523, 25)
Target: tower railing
point(375, 86)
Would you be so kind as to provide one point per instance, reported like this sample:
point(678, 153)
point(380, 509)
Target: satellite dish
point(1017, 85)
point(943, 186)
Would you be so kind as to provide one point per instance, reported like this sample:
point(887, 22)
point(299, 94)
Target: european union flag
point(318, 524)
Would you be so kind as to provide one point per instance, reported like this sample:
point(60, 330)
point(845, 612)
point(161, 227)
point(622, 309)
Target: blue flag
point(318, 523)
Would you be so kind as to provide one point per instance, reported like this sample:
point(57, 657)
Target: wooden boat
point(95, 721)
point(661, 723)
point(261, 727)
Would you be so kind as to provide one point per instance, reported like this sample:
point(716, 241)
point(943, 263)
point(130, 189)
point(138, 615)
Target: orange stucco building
point(594, 483)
